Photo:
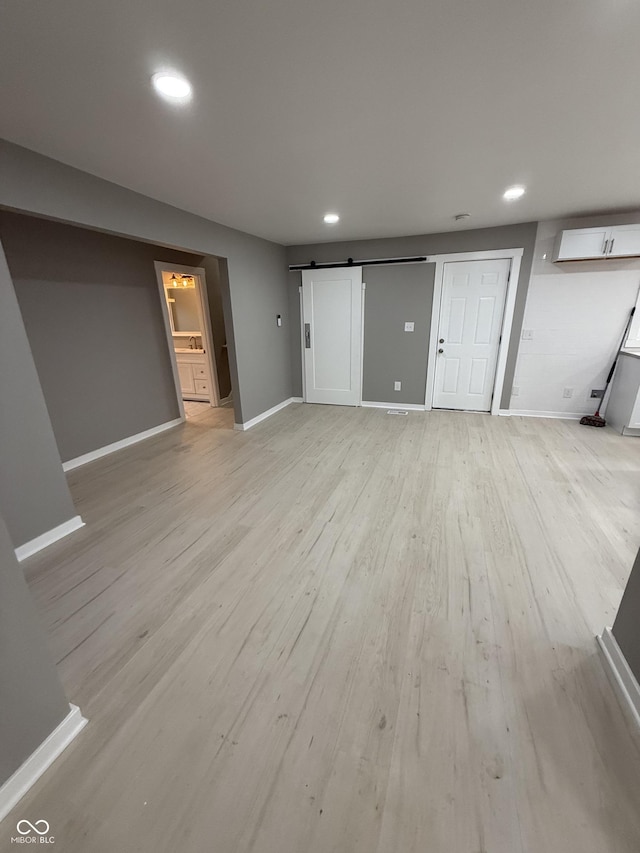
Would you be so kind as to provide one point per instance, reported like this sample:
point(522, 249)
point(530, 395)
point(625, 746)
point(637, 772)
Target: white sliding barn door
point(471, 312)
point(332, 335)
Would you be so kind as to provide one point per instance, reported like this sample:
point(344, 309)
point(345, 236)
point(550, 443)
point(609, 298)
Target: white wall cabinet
point(581, 244)
point(194, 376)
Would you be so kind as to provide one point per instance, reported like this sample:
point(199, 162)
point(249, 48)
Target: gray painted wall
point(32, 701)
point(254, 270)
point(626, 628)
point(505, 237)
point(93, 316)
point(34, 496)
point(395, 295)
point(218, 326)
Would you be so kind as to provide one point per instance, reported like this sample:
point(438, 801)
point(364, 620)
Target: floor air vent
point(397, 412)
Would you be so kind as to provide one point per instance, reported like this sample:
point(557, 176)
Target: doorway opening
point(188, 324)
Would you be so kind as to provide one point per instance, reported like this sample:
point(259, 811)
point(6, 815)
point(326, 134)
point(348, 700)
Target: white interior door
point(471, 311)
point(332, 335)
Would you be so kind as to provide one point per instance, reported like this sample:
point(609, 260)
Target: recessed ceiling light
point(331, 218)
point(513, 193)
point(173, 87)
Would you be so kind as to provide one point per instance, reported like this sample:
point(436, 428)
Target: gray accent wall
point(213, 279)
point(91, 307)
point(32, 701)
point(254, 269)
point(472, 240)
point(626, 628)
point(34, 496)
point(394, 295)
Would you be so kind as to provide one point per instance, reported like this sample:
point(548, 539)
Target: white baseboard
point(118, 445)
point(530, 413)
point(48, 538)
point(623, 679)
point(411, 407)
point(272, 411)
point(28, 773)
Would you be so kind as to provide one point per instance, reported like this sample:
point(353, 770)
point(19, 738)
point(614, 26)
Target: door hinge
point(364, 286)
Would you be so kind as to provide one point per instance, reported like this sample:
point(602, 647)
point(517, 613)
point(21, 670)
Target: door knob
point(441, 340)
point(440, 350)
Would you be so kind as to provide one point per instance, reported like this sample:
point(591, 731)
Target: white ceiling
point(397, 114)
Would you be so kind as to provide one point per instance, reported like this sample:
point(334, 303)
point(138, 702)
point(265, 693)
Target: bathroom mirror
point(184, 310)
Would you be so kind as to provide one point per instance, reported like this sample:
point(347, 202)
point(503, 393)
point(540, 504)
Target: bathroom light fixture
point(512, 193)
point(182, 281)
point(331, 218)
point(172, 87)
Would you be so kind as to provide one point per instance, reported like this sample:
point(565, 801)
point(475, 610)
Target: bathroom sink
point(187, 349)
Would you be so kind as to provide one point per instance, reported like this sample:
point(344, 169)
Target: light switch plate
point(409, 327)
point(527, 334)
point(397, 386)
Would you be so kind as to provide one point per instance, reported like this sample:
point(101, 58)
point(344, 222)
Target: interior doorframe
point(199, 276)
point(515, 256)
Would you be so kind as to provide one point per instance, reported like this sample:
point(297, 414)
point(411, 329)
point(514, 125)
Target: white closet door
point(332, 340)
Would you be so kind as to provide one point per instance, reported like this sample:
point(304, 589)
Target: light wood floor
point(345, 631)
point(195, 408)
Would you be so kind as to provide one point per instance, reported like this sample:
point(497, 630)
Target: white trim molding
point(119, 445)
point(515, 256)
point(410, 407)
point(619, 671)
point(28, 773)
point(272, 411)
point(531, 413)
point(48, 538)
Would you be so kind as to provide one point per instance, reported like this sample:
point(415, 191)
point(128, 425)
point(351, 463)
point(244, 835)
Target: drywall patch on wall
point(573, 322)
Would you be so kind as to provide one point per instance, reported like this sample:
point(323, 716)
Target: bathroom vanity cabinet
point(194, 375)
